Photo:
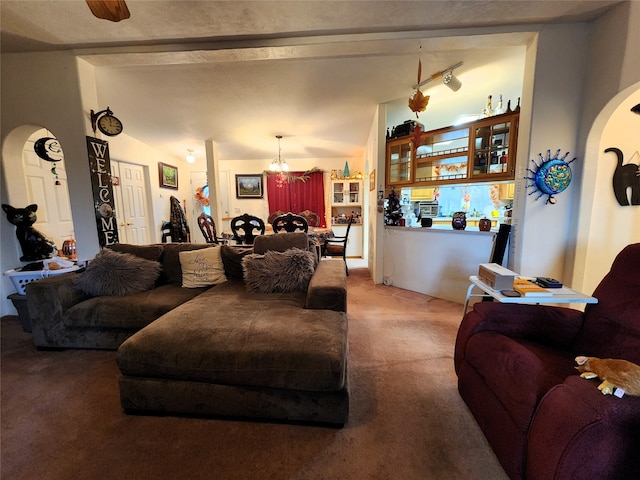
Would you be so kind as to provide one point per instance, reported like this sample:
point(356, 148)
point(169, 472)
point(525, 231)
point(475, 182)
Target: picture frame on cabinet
point(372, 180)
point(168, 176)
point(249, 186)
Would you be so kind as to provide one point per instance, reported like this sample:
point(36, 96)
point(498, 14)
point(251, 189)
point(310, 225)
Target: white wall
point(571, 73)
point(603, 227)
point(125, 148)
point(445, 105)
point(542, 232)
point(61, 101)
point(260, 207)
point(375, 161)
point(40, 90)
point(434, 262)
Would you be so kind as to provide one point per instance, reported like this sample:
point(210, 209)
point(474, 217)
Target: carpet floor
point(61, 416)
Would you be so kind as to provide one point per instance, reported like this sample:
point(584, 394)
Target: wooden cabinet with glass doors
point(479, 151)
point(442, 156)
point(399, 161)
point(494, 145)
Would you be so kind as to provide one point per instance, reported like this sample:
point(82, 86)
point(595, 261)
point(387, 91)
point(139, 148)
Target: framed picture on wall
point(168, 176)
point(372, 181)
point(249, 186)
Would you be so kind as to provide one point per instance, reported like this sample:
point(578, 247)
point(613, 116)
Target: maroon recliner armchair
point(516, 372)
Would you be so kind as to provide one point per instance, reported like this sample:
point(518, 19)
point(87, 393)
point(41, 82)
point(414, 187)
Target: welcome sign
point(100, 167)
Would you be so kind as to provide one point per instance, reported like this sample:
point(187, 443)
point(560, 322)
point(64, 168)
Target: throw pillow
point(288, 271)
point(202, 268)
point(232, 260)
point(113, 273)
point(280, 242)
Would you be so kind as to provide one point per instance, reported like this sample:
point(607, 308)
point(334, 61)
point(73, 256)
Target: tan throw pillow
point(202, 268)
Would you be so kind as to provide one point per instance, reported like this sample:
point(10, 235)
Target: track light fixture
point(448, 78)
point(451, 81)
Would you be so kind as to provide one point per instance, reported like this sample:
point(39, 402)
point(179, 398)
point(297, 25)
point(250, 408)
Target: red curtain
point(297, 195)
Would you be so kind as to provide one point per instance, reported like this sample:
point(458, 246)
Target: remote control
point(548, 282)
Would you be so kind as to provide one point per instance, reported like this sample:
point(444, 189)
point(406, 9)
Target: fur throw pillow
point(113, 273)
point(288, 271)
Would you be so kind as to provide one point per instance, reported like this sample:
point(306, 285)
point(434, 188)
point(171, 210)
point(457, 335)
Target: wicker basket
point(22, 279)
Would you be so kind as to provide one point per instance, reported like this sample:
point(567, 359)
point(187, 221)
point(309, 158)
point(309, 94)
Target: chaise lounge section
point(236, 353)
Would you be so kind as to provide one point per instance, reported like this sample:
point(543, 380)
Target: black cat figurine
point(35, 245)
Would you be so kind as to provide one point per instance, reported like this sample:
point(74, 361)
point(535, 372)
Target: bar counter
point(436, 261)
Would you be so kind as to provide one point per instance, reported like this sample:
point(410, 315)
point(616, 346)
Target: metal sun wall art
point(551, 176)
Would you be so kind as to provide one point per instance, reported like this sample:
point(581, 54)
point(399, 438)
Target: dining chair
point(165, 229)
point(337, 246)
point(273, 215)
point(247, 224)
point(208, 228)
point(312, 218)
point(290, 223)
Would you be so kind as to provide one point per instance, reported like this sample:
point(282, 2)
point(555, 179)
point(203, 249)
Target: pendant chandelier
point(279, 164)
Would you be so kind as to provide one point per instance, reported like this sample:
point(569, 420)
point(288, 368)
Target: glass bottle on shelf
point(500, 107)
point(487, 111)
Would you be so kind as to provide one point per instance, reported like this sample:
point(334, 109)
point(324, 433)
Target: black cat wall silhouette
point(625, 177)
point(34, 244)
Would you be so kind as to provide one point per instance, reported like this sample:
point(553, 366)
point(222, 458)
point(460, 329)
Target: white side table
point(560, 295)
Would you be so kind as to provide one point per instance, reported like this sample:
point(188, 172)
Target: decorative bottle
point(500, 107)
point(517, 106)
point(487, 111)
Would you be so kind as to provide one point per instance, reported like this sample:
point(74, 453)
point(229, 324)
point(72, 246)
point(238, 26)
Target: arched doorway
point(29, 179)
point(605, 227)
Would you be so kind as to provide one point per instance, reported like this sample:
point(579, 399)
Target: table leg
point(466, 302)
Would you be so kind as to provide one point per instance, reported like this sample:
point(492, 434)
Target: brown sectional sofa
point(220, 351)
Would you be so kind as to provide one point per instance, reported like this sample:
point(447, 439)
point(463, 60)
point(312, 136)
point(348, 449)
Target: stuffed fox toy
point(615, 374)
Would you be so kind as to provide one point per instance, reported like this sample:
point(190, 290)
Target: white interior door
point(54, 208)
point(131, 202)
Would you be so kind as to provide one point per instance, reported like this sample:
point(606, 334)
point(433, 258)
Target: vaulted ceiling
point(180, 72)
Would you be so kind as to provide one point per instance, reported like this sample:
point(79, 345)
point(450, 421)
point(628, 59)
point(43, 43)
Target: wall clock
point(106, 122)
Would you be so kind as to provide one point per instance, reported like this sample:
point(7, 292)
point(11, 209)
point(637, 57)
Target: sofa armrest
point(545, 324)
point(328, 287)
point(48, 299)
point(577, 432)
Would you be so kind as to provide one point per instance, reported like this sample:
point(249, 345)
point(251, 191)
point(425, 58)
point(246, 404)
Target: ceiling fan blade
point(113, 10)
